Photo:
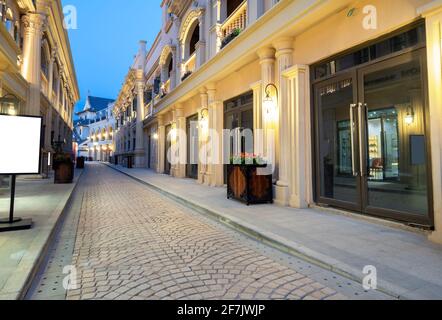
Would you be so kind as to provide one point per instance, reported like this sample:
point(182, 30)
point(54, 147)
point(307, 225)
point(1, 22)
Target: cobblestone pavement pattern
point(134, 243)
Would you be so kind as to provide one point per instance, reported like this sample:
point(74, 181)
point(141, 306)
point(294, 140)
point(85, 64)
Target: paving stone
point(134, 244)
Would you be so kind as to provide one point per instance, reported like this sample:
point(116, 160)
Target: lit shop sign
point(20, 145)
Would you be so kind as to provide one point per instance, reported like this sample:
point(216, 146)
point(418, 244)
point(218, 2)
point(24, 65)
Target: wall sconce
point(9, 104)
point(204, 122)
point(173, 132)
point(155, 136)
point(269, 102)
point(409, 118)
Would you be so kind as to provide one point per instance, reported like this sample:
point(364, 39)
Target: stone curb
point(32, 260)
point(273, 240)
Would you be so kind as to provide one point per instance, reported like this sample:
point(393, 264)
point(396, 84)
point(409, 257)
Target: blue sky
point(107, 39)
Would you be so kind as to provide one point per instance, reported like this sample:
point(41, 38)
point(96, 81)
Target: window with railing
point(235, 22)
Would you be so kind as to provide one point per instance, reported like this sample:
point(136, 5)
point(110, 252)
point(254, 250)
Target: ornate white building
point(346, 92)
point(94, 129)
point(37, 68)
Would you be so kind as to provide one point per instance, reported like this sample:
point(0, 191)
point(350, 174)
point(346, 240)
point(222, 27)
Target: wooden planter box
point(64, 172)
point(244, 184)
point(80, 162)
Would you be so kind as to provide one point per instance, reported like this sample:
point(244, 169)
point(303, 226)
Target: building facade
point(94, 129)
point(37, 69)
point(343, 98)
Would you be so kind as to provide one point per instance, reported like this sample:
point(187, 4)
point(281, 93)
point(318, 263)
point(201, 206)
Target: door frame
point(357, 206)
point(356, 74)
point(168, 145)
point(189, 165)
point(420, 55)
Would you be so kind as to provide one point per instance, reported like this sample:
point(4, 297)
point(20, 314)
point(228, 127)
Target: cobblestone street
point(133, 243)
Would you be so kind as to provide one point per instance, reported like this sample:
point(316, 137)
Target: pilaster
point(433, 15)
point(139, 141)
point(284, 60)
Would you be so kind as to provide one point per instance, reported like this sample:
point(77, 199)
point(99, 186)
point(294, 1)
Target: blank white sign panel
point(20, 145)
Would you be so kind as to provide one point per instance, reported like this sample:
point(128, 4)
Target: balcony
point(234, 24)
point(44, 85)
point(189, 66)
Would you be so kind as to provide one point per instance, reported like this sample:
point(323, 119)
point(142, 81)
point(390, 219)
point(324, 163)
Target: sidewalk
point(408, 265)
point(21, 251)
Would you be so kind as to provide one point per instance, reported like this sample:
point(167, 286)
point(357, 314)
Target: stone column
point(284, 60)
point(161, 144)
point(257, 118)
point(139, 146)
point(267, 61)
point(34, 24)
point(173, 77)
point(216, 121)
point(202, 136)
point(433, 16)
point(181, 143)
point(300, 161)
point(50, 111)
point(255, 9)
point(201, 46)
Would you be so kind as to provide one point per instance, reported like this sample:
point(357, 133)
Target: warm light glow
point(12, 111)
point(155, 136)
point(270, 103)
point(409, 119)
point(173, 132)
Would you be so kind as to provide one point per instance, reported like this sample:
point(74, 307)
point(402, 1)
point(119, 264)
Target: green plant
point(236, 32)
point(247, 159)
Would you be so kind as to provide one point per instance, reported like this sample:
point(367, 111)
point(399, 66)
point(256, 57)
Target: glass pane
point(397, 154)
point(337, 180)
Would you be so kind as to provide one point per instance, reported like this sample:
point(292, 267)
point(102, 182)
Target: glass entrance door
point(192, 147)
point(338, 182)
point(396, 162)
point(168, 150)
point(371, 140)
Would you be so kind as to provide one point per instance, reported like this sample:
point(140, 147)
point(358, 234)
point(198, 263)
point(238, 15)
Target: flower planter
point(63, 169)
point(80, 162)
point(244, 184)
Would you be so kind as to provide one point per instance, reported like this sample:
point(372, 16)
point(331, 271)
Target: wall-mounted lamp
point(409, 118)
point(173, 132)
point(9, 104)
point(155, 136)
point(269, 102)
point(204, 122)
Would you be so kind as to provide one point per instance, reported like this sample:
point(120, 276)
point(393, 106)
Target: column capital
point(284, 46)
point(34, 23)
point(266, 54)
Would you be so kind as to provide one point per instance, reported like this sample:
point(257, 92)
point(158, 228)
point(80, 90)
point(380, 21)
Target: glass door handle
point(352, 135)
point(363, 117)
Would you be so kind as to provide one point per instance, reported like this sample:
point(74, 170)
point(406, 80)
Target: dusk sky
point(107, 39)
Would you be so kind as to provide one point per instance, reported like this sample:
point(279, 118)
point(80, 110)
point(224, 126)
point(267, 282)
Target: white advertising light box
point(20, 145)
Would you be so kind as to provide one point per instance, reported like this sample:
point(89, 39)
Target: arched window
point(194, 39)
point(44, 61)
point(169, 63)
point(232, 5)
point(55, 79)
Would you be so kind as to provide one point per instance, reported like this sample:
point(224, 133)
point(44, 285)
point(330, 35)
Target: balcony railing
point(44, 85)
point(190, 64)
point(235, 23)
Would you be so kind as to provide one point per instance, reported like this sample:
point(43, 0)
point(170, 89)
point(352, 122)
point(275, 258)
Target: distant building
point(37, 69)
point(94, 129)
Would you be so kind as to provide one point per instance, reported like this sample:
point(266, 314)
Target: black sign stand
point(14, 224)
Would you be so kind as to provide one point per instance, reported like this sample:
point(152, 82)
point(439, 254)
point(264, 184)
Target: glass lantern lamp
point(10, 105)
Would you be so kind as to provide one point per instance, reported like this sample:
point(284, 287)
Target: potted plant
point(236, 32)
point(248, 180)
point(63, 168)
